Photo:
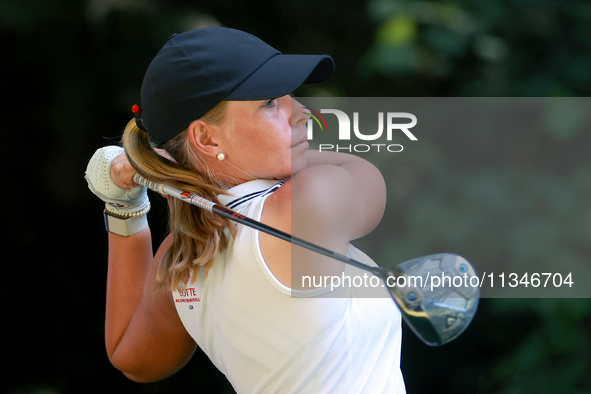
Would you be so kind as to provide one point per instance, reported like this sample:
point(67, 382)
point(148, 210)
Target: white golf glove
point(120, 205)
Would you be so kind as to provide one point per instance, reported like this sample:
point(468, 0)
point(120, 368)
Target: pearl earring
point(221, 156)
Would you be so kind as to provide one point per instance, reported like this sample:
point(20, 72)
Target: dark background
point(71, 70)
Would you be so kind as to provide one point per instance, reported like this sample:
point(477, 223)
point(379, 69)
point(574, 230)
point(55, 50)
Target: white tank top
point(265, 340)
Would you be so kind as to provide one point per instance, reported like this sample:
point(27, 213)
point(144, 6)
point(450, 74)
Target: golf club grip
point(244, 220)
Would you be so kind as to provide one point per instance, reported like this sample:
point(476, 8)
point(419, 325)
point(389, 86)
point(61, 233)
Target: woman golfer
point(217, 102)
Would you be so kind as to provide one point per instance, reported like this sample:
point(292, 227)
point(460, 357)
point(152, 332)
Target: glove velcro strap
point(126, 225)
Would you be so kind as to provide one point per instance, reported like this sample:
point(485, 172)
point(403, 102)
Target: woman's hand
point(115, 186)
point(122, 172)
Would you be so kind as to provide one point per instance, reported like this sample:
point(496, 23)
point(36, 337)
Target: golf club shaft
point(428, 329)
point(239, 218)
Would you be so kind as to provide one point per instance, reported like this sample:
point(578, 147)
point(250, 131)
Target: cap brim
point(281, 75)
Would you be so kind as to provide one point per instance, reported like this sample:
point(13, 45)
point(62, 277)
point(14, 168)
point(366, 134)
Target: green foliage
point(554, 357)
point(483, 48)
point(507, 214)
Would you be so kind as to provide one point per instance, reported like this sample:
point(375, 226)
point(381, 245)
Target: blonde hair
point(197, 235)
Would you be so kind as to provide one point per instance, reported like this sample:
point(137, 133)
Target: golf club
point(436, 313)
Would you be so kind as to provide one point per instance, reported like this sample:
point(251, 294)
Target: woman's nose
point(298, 113)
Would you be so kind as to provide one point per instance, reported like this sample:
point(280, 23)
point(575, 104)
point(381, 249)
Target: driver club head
point(436, 297)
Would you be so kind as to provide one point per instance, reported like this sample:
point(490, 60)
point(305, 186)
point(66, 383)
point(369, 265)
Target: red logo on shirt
point(188, 295)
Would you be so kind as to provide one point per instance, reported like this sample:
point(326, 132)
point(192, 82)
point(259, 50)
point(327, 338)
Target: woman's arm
point(144, 336)
point(337, 198)
point(128, 266)
point(346, 188)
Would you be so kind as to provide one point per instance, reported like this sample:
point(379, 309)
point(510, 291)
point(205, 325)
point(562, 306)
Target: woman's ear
point(203, 137)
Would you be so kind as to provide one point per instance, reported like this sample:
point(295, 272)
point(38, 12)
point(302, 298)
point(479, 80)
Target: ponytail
point(198, 235)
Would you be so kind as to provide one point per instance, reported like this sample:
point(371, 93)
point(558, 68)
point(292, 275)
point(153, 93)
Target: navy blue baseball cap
point(197, 69)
